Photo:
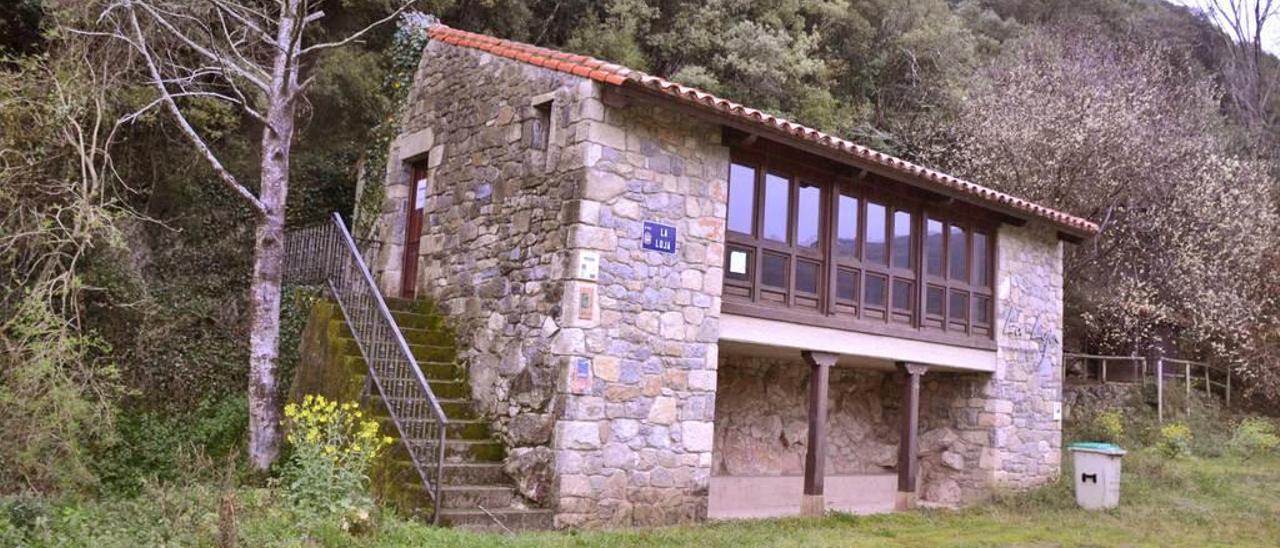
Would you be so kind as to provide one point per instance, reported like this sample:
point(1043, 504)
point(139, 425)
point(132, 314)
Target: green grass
point(1190, 502)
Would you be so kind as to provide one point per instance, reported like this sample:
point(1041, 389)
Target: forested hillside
point(125, 265)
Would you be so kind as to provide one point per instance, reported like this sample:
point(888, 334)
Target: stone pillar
point(812, 503)
point(907, 446)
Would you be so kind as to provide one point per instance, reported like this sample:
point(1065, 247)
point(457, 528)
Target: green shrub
point(57, 399)
point(1175, 440)
point(1109, 426)
point(327, 475)
point(1254, 437)
point(153, 446)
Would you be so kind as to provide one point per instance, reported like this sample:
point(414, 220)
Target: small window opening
point(540, 126)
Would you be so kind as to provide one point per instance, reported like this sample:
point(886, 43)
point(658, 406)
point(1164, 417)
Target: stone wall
point(492, 253)
point(634, 444)
point(762, 424)
point(1024, 446)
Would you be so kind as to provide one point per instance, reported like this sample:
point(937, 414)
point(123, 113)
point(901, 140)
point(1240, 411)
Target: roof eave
point(633, 89)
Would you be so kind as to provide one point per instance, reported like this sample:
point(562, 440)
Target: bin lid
point(1097, 447)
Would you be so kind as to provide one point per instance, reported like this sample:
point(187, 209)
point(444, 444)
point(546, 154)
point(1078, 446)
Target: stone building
point(672, 307)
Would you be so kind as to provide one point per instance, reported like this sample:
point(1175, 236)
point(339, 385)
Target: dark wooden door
point(413, 232)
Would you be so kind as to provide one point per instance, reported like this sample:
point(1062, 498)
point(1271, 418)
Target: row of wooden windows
point(803, 241)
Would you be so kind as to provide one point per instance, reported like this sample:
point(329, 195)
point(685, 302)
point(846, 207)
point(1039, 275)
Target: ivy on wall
point(403, 56)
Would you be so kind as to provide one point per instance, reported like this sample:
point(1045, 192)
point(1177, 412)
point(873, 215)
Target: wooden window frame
point(749, 296)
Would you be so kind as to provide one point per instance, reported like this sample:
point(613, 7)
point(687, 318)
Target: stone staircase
point(476, 492)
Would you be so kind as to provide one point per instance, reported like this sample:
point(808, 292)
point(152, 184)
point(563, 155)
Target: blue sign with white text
point(659, 237)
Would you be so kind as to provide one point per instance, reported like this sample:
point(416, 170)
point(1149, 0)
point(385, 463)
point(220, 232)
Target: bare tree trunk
point(264, 339)
point(260, 48)
point(268, 263)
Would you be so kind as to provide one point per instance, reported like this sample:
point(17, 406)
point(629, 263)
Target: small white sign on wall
point(420, 194)
point(588, 265)
point(737, 262)
point(1057, 411)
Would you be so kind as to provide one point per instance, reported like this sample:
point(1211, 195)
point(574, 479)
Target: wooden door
point(413, 232)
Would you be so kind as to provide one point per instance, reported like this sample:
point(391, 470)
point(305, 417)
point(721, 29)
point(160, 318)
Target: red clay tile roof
point(617, 75)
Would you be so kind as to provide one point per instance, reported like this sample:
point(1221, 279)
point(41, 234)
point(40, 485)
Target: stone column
point(908, 449)
point(812, 502)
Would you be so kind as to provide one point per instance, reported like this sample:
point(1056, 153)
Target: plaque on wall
point(659, 237)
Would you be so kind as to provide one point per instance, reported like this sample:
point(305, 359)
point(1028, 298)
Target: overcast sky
point(1271, 38)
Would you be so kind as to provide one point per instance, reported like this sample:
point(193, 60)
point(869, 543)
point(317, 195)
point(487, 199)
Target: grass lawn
point(1190, 502)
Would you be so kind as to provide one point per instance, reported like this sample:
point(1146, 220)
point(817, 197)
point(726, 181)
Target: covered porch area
point(811, 419)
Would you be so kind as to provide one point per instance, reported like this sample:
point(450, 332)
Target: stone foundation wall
point(493, 249)
point(762, 424)
point(634, 443)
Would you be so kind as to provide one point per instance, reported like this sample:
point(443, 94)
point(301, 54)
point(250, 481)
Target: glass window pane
point(739, 264)
point(847, 227)
point(981, 262)
point(877, 233)
point(809, 210)
point(742, 198)
point(959, 254)
point(875, 290)
point(902, 295)
point(933, 300)
point(958, 308)
point(982, 310)
point(847, 285)
point(777, 207)
point(902, 229)
point(774, 271)
point(933, 248)
point(807, 276)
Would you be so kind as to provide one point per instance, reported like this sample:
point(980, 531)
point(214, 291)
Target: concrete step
point(433, 353)
point(421, 352)
point(436, 336)
point(514, 519)
point(408, 305)
point(473, 451)
point(417, 320)
point(467, 497)
point(454, 409)
point(461, 473)
point(475, 473)
point(449, 389)
point(464, 429)
point(445, 371)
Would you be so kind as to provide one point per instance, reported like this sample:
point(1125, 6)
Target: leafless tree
point(252, 54)
point(1249, 76)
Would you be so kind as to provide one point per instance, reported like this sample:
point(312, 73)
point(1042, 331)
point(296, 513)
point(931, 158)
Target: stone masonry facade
point(1022, 414)
point(978, 431)
point(634, 443)
point(603, 385)
point(493, 245)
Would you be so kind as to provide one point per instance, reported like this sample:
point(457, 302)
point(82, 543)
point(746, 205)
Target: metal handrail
point(325, 254)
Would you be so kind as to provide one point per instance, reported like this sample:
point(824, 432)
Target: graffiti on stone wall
point(1045, 338)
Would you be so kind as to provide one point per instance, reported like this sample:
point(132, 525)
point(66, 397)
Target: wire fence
point(1161, 371)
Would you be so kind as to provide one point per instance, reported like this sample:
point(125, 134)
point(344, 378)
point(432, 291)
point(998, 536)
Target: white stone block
point(691, 279)
point(608, 134)
point(577, 435)
point(702, 379)
point(697, 435)
point(663, 410)
point(673, 325)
